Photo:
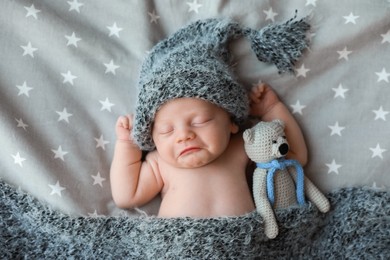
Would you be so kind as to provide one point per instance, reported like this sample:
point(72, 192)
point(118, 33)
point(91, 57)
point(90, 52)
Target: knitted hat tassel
point(281, 44)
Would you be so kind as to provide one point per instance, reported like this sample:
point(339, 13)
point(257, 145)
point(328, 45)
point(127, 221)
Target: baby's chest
point(204, 178)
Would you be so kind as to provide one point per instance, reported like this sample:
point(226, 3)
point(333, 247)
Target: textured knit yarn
point(195, 62)
point(356, 227)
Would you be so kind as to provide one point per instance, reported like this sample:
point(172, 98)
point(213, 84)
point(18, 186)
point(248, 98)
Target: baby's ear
point(234, 128)
point(247, 135)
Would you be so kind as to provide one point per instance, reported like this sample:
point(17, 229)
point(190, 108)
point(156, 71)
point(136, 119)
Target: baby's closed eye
point(200, 121)
point(164, 129)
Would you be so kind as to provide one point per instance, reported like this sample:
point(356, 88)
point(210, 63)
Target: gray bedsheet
point(69, 68)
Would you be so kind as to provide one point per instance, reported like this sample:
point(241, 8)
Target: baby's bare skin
point(218, 188)
point(199, 164)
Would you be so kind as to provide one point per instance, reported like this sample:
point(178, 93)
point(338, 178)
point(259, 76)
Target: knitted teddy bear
point(277, 182)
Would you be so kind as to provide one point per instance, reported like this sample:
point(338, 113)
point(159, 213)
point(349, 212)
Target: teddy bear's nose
point(283, 149)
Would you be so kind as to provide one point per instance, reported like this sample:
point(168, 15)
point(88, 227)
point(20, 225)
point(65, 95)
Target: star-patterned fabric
point(70, 68)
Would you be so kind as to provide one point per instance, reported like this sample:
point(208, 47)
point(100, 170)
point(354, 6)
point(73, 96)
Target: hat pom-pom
point(281, 44)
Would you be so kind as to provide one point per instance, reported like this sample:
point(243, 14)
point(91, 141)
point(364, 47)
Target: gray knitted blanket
point(357, 227)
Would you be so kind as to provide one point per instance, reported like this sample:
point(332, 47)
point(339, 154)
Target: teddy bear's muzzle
point(283, 149)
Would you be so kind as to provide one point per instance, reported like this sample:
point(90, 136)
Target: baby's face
point(190, 132)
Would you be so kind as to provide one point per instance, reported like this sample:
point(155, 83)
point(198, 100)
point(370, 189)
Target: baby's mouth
point(189, 150)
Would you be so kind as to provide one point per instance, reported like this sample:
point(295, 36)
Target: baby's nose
point(185, 135)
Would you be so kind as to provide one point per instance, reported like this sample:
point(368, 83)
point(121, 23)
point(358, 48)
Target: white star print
point(101, 142)
point(386, 37)
point(344, 53)
point(114, 30)
point(377, 151)
point(32, 11)
point(97, 179)
point(380, 114)
point(72, 39)
point(301, 71)
point(75, 5)
point(336, 129)
point(21, 124)
point(153, 16)
point(18, 159)
point(64, 115)
point(340, 91)
point(194, 6)
point(111, 67)
point(24, 89)
point(350, 18)
point(311, 2)
point(383, 75)
point(297, 108)
point(333, 167)
point(106, 105)
point(270, 14)
point(56, 189)
point(59, 153)
point(68, 77)
point(28, 49)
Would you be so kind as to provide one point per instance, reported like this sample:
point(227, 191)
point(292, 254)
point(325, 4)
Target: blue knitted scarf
point(281, 164)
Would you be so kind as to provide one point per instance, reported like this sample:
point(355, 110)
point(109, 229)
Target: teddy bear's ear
point(247, 135)
point(279, 122)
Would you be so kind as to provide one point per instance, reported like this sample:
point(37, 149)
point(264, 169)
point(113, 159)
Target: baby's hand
point(123, 127)
point(262, 99)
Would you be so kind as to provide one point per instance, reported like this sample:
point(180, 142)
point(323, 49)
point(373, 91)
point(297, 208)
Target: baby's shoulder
point(151, 156)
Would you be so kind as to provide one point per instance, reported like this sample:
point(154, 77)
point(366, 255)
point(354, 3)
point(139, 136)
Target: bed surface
point(70, 68)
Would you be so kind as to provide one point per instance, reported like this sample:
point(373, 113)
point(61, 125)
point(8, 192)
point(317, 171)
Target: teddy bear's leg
point(263, 205)
point(316, 196)
point(313, 193)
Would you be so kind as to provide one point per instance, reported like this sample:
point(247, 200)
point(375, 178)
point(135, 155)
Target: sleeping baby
point(188, 117)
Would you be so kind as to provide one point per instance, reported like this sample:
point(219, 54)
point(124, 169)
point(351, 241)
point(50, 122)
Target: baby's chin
point(190, 164)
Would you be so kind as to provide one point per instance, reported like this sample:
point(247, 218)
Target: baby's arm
point(133, 182)
point(266, 105)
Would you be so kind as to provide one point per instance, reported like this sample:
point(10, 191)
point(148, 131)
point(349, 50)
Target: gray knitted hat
point(194, 62)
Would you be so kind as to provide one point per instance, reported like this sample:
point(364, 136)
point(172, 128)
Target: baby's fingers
point(256, 92)
point(130, 119)
point(123, 127)
point(254, 97)
point(124, 122)
point(259, 89)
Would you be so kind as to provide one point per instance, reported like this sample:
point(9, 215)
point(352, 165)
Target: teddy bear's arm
point(313, 193)
point(263, 205)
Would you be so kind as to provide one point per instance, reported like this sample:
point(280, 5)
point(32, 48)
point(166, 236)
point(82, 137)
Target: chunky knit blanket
point(357, 227)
